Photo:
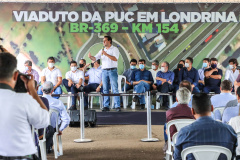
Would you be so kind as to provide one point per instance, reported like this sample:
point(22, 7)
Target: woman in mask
point(232, 73)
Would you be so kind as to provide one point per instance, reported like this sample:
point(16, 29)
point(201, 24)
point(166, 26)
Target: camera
point(20, 85)
point(238, 68)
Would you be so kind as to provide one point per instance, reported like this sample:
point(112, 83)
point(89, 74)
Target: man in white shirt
point(19, 111)
point(109, 55)
point(232, 73)
point(74, 82)
point(52, 74)
point(58, 105)
point(154, 70)
point(205, 65)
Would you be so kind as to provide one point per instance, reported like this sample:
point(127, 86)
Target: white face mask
point(230, 66)
point(153, 67)
point(186, 65)
point(26, 68)
point(50, 65)
point(163, 69)
point(73, 69)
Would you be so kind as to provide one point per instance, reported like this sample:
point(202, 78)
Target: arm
point(59, 83)
point(216, 76)
point(91, 57)
point(227, 75)
point(196, 78)
point(98, 88)
point(43, 79)
point(113, 58)
point(209, 73)
point(64, 118)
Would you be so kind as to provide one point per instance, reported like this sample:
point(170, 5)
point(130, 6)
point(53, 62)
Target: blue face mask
point(133, 67)
point(141, 66)
point(204, 65)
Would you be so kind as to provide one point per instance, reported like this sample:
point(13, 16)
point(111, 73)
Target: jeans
point(110, 77)
point(127, 87)
point(73, 89)
point(165, 88)
point(58, 90)
point(195, 90)
point(142, 87)
point(90, 88)
point(200, 86)
point(208, 89)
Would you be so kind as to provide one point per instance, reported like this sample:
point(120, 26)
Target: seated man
point(213, 78)
point(29, 70)
point(73, 82)
point(154, 70)
point(231, 110)
point(205, 130)
point(232, 72)
point(190, 74)
point(176, 82)
point(164, 82)
point(94, 75)
point(128, 74)
point(142, 80)
point(56, 104)
point(201, 73)
point(52, 74)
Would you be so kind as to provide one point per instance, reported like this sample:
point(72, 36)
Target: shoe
point(73, 107)
point(142, 106)
point(105, 109)
point(118, 109)
point(49, 150)
point(135, 99)
point(86, 108)
point(159, 99)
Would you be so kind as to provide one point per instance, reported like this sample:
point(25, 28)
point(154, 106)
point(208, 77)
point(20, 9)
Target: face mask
point(180, 65)
point(186, 65)
point(133, 67)
point(163, 69)
point(73, 69)
point(214, 66)
point(92, 65)
point(153, 67)
point(81, 65)
point(141, 66)
point(50, 65)
point(230, 66)
point(26, 69)
point(204, 65)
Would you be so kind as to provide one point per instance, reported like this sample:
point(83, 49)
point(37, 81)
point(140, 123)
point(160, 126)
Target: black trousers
point(165, 88)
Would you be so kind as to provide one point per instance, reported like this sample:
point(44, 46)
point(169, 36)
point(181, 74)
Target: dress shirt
point(191, 76)
point(229, 75)
point(205, 131)
point(138, 75)
point(154, 73)
point(19, 111)
point(220, 100)
point(231, 110)
point(189, 104)
point(128, 74)
point(107, 62)
point(181, 111)
point(235, 123)
point(75, 76)
point(34, 73)
point(51, 76)
point(169, 75)
point(95, 75)
point(212, 81)
point(63, 118)
point(201, 74)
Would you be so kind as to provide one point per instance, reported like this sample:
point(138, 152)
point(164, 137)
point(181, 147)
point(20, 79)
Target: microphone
point(102, 49)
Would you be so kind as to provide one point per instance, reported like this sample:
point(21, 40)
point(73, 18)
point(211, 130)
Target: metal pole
point(82, 136)
point(149, 122)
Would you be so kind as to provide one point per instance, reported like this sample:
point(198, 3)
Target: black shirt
point(213, 82)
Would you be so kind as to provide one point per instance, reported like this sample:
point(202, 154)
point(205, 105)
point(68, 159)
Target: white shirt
point(51, 76)
point(18, 112)
point(107, 62)
point(154, 74)
point(75, 76)
point(235, 123)
point(229, 75)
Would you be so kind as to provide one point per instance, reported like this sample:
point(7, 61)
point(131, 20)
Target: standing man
point(232, 73)
point(128, 74)
point(154, 70)
point(29, 70)
point(73, 82)
point(52, 74)
point(109, 55)
point(213, 78)
point(190, 74)
point(205, 65)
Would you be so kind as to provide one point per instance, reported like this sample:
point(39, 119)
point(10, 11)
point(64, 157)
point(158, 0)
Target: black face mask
point(92, 64)
point(81, 65)
point(180, 65)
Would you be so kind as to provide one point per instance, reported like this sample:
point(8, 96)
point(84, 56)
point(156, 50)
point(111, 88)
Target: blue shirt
point(138, 75)
point(220, 100)
point(231, 110)
point(169, 75)
point(201, 74)
point(95, 75)
point(176, 103)
point(64, 118)
point(128, 74)
point(205, 131)
point(191, 76)
point(212, 81)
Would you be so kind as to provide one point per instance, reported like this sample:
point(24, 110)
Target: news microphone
point(102, 49)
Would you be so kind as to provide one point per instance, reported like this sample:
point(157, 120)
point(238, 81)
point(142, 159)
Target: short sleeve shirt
point(75, 76)
point(51, 76)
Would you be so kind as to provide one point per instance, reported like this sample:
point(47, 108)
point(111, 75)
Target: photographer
point(19, 112)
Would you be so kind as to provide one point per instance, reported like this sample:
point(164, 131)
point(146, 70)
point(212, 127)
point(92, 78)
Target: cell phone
point(20, 85)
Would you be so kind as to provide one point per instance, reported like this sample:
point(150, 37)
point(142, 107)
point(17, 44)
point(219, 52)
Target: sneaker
point(105, 109)
point(118, 109)
point(135, 99)
point(73, 107)
point(159, 99)
point(142, 106)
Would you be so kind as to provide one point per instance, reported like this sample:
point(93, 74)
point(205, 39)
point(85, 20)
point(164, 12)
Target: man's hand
point(78, 85)
point(128, 83)
point(89, 55)
point(201, 82)
point(98, 89)
point(215, 70)
point(29, 84)
point(104, 53)
point(154, 87)
point(192, 86)
point(70, 83)
point(170, 82)
point(59, 132)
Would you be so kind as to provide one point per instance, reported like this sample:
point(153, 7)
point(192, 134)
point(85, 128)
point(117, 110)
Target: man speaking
point(109, 55)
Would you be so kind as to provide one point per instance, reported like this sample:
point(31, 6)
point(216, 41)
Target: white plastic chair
point(134, 103)
point(69, 100)
point(205, 152)
point(91, 100)
point(56, 152)
point(170, 98)
point(174, 139)
point(179, 123)
point(221, 109)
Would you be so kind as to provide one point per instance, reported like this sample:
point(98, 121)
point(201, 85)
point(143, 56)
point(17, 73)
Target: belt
point(109, 69)
point(30, 157)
